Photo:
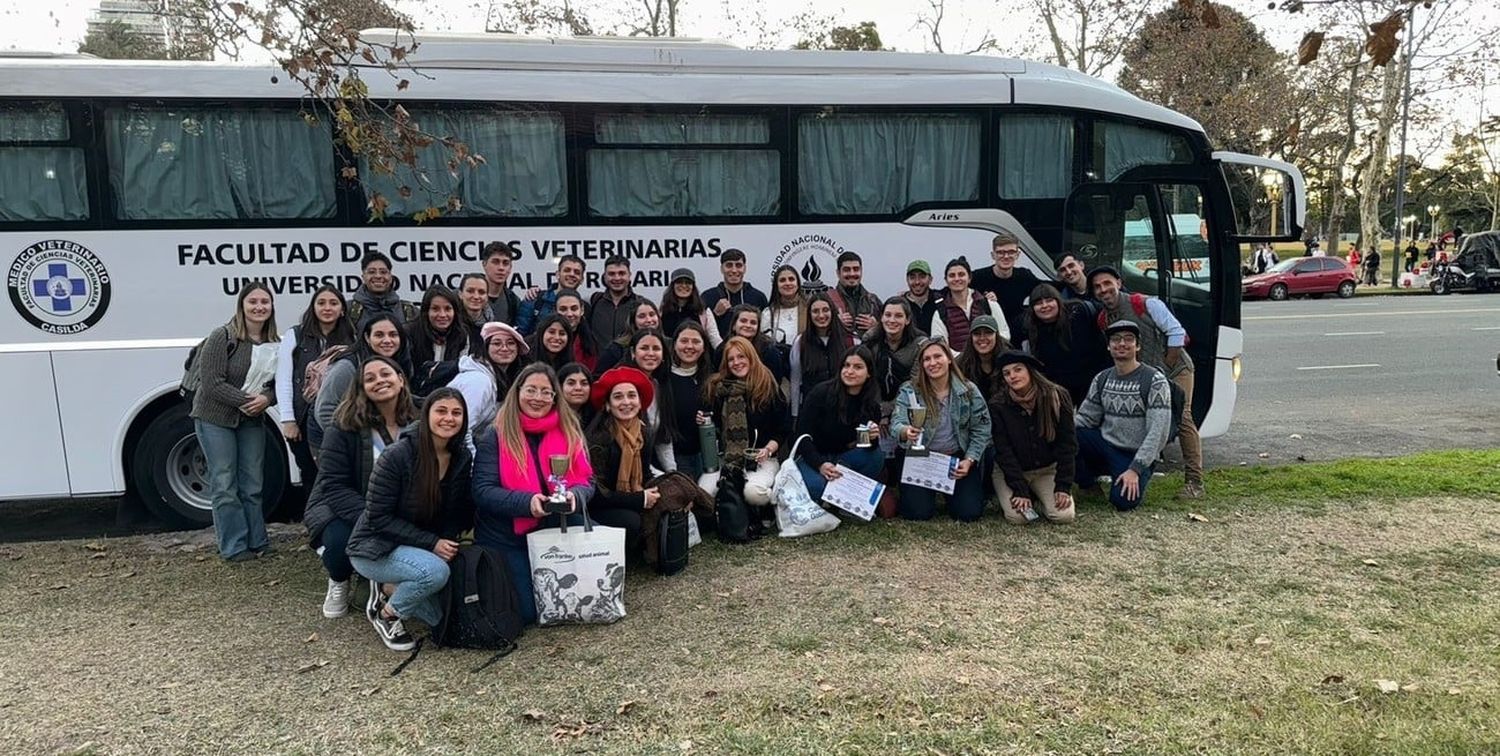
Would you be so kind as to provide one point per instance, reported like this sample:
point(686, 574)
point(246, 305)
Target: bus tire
point(170, 475)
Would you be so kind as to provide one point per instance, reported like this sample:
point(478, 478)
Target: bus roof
point(504, 67)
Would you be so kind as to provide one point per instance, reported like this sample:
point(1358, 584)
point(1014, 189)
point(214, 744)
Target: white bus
point(136, 198)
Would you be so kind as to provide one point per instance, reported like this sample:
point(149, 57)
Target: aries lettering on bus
point(252, 253)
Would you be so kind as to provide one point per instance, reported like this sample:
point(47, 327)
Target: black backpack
point(733, 521)
point(1179, 404)
point(479, 605)
point(672, 542)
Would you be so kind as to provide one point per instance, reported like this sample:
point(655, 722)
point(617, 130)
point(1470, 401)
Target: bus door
point(1158, 231)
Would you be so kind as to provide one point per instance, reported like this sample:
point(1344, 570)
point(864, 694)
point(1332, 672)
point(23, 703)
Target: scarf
point(524, 478)
point(1027, 401)
point(1045, 411)
point(630, 437)
point(389, 302)
point(736, 419)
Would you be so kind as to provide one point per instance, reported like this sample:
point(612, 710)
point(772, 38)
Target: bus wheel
point(171, 475)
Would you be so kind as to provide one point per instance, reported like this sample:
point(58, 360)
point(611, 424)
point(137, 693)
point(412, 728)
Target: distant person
point(1431, 252)
point(505, 304)
point(682, 302)
point(1411, 256)
point(856, 307)
point(1005, 282)
point(377, 293)
point(1124, 421)
point(1356, 262)
point(732, 291)
point(1372, 267)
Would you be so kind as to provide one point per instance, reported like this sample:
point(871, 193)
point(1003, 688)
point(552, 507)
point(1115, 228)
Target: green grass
point(1265, 629)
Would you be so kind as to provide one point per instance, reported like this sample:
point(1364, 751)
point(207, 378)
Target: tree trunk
point(1374, 173)
point(1336, 204)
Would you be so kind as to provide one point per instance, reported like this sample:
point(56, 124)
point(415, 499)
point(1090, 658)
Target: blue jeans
point(335, 542)
point(965, 504)
point(418, 575)
point(690, 465)
point(1099, 457)
point(866, 462)
point(236, 465)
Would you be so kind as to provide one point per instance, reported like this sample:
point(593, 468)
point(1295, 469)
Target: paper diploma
point(932, 472)
point(854, 493)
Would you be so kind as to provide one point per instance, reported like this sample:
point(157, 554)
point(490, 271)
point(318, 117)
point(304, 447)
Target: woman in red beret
point(621, 452)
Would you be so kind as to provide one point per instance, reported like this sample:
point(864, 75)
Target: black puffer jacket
point(389, 519)
point(344, 467)
point(832, 433)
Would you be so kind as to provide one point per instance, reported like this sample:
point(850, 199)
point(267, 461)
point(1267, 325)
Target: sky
point(59, 26)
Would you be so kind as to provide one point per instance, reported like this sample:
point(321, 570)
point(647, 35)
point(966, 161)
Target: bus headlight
point(1236, 367)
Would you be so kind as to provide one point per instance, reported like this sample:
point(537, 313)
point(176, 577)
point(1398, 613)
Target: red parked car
point(1301, 276)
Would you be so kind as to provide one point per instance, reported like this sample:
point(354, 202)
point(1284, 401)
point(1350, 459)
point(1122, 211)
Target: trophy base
point(917, 451)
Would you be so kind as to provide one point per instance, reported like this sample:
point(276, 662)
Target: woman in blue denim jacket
point(957, 424)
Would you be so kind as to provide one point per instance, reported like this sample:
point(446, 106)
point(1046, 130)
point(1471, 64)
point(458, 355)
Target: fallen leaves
point(1369, 562)
point(95, 546)
point(573, 730)
point(625, 707)
point(533, 715)
point(1195, 517)
point(1262, 640)
point(311, 638)
point(1382, 44)
point(1387, 686)
point(310, 666)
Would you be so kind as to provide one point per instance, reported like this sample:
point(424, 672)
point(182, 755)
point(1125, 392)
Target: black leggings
point(335, 542)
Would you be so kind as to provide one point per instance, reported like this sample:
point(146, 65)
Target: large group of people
point(417, 424)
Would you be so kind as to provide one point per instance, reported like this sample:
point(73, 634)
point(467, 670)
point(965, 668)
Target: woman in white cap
point(487, 371)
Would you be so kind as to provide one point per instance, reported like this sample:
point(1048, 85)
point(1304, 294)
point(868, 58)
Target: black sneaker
point(372, 604)
point(243, 556)
point(393, 634)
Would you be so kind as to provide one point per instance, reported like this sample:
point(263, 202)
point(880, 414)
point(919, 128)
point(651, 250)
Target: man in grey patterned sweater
point(1124, 421)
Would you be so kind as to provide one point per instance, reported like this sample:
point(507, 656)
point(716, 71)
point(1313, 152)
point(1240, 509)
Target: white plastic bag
point(796, 512)
point(578, 573)
point(262, 368)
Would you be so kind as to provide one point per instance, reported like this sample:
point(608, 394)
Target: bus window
point(883, 163)
point(1036, 156)
point(1113, 225)
point(683, 165)
point(1118, 147)
point(524, 174)
point(40, 182)
point(216, 162)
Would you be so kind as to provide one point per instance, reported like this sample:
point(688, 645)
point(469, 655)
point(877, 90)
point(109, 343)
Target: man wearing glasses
point(1006, 283)
point(1124, 421)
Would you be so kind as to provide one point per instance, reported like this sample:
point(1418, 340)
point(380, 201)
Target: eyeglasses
point(1007, 253)
point(1121, 338)
point(532, 392)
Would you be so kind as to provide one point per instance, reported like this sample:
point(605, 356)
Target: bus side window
point(206, 162)
point(40, 181)
point(524, 173)
point(686, 165)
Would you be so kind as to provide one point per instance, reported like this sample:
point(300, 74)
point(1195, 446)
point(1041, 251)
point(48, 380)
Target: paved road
point(1369, 376)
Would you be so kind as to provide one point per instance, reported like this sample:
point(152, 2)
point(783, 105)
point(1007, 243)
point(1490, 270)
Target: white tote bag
point(796, 512)
point(578, 573)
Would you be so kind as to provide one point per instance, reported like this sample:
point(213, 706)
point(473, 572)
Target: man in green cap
point(919, 294)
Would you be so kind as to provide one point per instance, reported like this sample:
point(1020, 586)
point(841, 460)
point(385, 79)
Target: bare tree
point(558, 17)
point(1091, 35)
point(932, 21)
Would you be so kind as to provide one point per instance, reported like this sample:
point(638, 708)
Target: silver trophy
point(865, 434)
point(557, 503)
point(918, 419)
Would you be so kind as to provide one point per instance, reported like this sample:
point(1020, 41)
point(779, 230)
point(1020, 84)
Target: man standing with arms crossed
point(1162, 341)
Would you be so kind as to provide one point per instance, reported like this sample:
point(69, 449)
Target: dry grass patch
point(1260, 630)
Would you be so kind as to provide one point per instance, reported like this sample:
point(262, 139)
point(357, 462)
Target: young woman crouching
point(417, 504)
point(1034, 443)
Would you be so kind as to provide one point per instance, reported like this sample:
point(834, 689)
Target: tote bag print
point(578, 575)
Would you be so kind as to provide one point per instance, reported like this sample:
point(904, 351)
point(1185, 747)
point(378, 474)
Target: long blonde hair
point(760, 384)
point(925, 389)
point(508, 419)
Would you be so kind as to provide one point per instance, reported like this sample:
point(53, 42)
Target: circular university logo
point(59, 286)
point(813, 256)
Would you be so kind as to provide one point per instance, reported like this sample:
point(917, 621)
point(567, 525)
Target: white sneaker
point(336, 601)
